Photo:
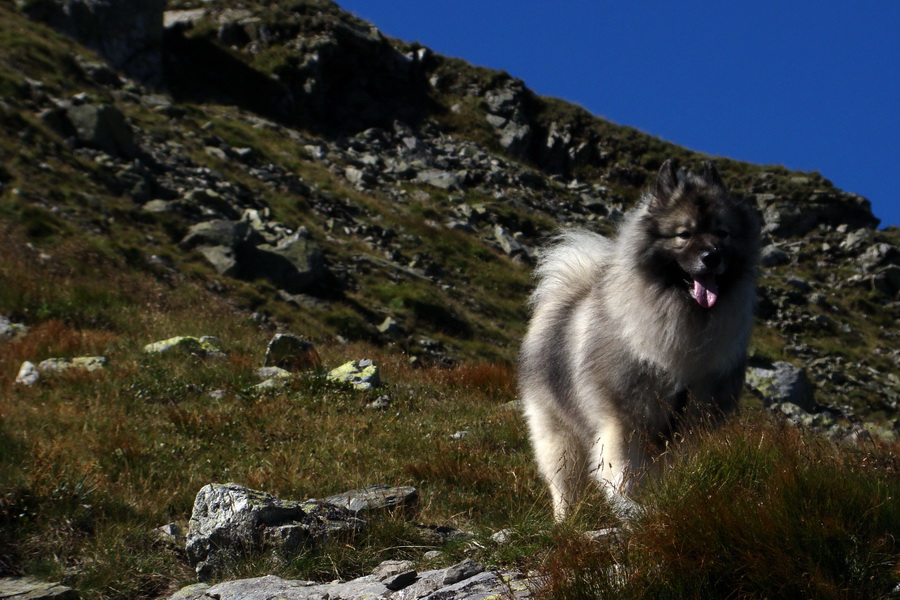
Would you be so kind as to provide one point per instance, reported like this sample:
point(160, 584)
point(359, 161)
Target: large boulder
point(229, 521)
point(291, 353)
point(296, 264)
point(99, 126)
point(128, 34)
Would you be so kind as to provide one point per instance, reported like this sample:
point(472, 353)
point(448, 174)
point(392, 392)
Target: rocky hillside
point(241, 168)
point(331, 180)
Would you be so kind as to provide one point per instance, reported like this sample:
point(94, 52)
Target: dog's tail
point(569, 265)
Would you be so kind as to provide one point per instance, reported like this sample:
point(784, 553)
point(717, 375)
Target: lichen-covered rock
point(57, 365)
point(291, 353)
point(362, 375)
point(29, 374)
point(207, 346)
point(229, 520)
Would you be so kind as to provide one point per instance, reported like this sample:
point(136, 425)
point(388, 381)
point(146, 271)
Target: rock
point(207, 346)
point(292, 353)
point(271, 587)
point(395, 574)
point(28, 374)
point(10, 330)
point(782, 383)
point(128, 34)
point(773, 256)
point(362, 375)
point(274, 378)
point(391, 328)
point(171, 534)
point(375, 497)
point(439, 179)
point(296, 264)
point(229, 519)
point(104, 128)
point(58, 365)
point(26, 588)
point(182, 18)
point(502, 537)
point(233, 235)
point(464, 570)
point(222, 258)
point(508, 244)
point(425, 586)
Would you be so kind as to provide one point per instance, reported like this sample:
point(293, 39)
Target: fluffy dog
point(635, 338)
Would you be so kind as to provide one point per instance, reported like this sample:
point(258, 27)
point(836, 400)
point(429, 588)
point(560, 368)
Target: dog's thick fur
point(633, 338)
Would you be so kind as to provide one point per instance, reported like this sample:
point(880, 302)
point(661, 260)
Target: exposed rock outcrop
point(129, 34)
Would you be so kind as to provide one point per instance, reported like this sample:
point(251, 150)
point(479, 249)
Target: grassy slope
point(90, 464)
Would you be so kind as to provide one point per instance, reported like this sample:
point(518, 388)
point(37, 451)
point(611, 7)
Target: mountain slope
point(285, 167)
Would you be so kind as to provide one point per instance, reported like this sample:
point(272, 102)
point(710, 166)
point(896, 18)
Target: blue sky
point(811, 86)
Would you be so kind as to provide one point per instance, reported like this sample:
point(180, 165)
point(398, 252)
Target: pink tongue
point(706, 291)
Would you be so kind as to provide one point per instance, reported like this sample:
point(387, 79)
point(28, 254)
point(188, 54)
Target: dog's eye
point(684, 234)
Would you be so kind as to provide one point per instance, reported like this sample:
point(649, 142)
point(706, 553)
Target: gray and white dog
point(633, 340)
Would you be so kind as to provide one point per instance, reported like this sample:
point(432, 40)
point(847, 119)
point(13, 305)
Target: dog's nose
point(710, 258)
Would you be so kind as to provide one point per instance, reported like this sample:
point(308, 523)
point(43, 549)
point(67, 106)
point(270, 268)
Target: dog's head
point(700, 239)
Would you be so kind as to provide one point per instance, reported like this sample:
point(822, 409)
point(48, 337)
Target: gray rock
point(464, 570)
point(182, 18)
point(515, 139)
point(270, 587)
point(207, 346)
point(292, 353)
point(510, 246)
point(502, 537)
point(27, 588)
point(10, 330)
point(782, 383)
point(375, 497)
point(229, 520)
point(103, 127)
point(428, 585)
point(395, 574)
point(222, 258)
point(439, 179)
point(772, 256)
point(171, 534)
point(296, 264)
point(28, 374)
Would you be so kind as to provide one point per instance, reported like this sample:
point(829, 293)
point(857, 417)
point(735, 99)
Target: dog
point(635, 339)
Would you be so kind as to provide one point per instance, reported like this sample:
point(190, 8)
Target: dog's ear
point(666, 182)
point(711, 175)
